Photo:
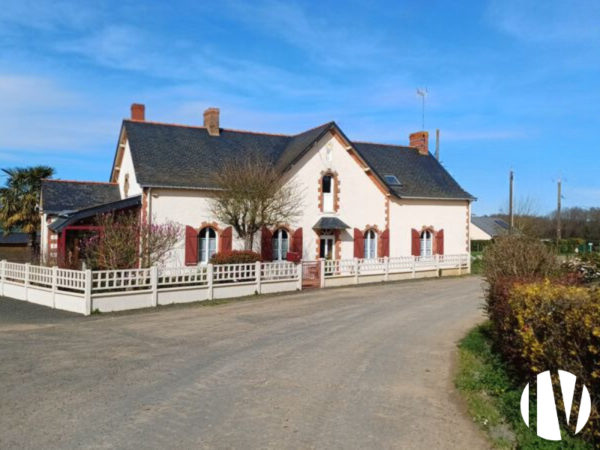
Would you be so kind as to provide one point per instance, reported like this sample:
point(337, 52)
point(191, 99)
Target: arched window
point(280, 245)
point(370, 244)
point(327, 192)
point(207, 244)
point(426, 243)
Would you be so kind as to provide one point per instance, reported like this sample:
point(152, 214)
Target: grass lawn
point(492, 396)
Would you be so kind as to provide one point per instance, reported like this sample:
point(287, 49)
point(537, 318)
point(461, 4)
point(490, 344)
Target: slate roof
point(16, 238)
point(330, 223)
point(67, 218)
point(491, 225)
point(61, 195)
point(166, 155)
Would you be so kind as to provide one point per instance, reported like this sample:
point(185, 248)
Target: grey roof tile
point(60, 195)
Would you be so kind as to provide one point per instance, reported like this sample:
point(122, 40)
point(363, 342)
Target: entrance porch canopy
point(330, 223)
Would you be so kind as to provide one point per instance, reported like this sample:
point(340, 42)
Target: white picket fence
point(355, 271)
point(85, 291)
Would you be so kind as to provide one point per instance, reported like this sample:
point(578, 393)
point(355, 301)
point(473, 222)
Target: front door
point(326, 247)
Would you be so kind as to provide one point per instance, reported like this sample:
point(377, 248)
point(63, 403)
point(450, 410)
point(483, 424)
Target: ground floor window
point(280, 245)
point(370, 244)
point(207, 244)
point(326, 243)
point(426, 243)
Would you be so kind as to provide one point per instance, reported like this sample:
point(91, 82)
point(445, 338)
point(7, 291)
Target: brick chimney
point(420, 140)
point(211, 121)
point(138, 112)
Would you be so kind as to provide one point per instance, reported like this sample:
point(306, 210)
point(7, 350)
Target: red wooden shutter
point(226, 240)
point(296, 246)
point(359, 244)
point(416, 243)
point(266, 244)
point(439, 242)
point(384, 246)
point(191, 246)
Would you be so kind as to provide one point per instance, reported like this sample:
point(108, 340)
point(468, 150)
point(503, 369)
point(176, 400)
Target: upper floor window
point(426, 243)
point(370, 244)
point(207, 244)
point(327, 190)
point(280, 245)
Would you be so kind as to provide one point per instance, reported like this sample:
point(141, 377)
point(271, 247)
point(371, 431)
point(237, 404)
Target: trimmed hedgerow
point(235, 257)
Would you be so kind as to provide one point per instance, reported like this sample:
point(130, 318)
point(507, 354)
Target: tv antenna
point(422, 92)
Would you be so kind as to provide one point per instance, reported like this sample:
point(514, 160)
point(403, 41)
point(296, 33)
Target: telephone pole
point(558, 205)
point(511, 219)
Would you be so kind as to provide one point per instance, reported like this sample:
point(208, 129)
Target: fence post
point(299, 275)
point(87, 293)
point(386, 262)
point(27, 281)
point(356, 270)
point(460, 257)
point(469, 262)
point(210, 279)
point(414, 267)
point(3, 275)
point(154, 283)
point(257, 270)
point(54, 285)
point(322, 272)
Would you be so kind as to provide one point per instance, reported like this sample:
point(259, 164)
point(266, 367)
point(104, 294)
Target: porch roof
point(67, 218)
point(330, 223)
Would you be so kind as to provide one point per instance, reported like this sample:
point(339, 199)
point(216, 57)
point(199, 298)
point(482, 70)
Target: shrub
point(585, 269)
point(517, 257)
point(235, 257)
point(549, 326)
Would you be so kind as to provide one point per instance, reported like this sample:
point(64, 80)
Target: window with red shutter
point(226, 243)
point(384, 246)
point(416, 242)
point(439, 242)
point(266, 244)
point(191, 246)
point(359, 244)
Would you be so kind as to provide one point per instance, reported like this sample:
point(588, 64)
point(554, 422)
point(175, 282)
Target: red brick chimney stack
point(138, 112)
point(420, 140)
point(211, 121)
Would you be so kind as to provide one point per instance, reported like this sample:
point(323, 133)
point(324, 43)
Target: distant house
point(360, 200)
point(484, 228)
point(15, 247)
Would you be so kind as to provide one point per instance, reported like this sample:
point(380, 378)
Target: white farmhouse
point(360, 199)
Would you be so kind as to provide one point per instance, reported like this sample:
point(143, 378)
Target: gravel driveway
point(365, 367)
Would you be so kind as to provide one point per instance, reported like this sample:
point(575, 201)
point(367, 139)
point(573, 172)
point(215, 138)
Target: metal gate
point(311, 274)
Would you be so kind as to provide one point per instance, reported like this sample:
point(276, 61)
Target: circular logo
point(547, 425)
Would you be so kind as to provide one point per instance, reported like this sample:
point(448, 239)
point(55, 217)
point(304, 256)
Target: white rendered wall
point(128, 169)
point(450, 215)
point(477, 234)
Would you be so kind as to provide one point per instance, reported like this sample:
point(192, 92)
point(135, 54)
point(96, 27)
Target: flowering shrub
point(235, 257)
point(586, 269)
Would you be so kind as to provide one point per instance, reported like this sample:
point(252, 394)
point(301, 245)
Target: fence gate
point(311, 276)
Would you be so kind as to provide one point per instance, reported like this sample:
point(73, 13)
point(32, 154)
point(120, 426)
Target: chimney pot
point(211, 121)
point(138, 112)
point(420, 140)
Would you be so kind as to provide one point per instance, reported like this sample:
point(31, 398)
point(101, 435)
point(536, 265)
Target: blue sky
point(512, 84)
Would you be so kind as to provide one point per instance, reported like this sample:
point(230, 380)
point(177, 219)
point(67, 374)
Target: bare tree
point(251, 194)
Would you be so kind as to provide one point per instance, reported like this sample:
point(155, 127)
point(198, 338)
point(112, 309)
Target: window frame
point(370, 244)
point(426, 243)
point(279, 239)
point(207, 243)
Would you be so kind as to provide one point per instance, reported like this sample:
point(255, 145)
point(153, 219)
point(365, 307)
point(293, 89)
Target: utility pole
point(437, 144)
point(558, 205)
point(511, 219)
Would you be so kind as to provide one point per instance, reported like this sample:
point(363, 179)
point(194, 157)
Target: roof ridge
point(79, 181)
point(314, 128)
point(384, 144)
point(180, 125)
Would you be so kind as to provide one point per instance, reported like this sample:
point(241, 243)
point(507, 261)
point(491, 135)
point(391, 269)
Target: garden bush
point(235, 257)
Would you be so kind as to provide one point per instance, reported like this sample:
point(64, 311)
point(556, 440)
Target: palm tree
point(20, 197)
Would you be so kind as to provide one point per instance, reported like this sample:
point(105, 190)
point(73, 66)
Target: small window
point(370, 244)
point(207, 243)
point(327, 184)
point(426, 243)
point(392, 180)
point(280, 245)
